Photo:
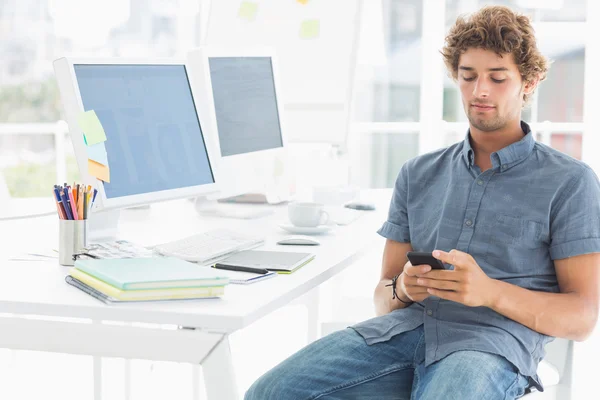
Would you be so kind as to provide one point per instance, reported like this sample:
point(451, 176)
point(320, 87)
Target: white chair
point(556, 372)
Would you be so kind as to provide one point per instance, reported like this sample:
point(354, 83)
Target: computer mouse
point(299, 241)
point(357, 205)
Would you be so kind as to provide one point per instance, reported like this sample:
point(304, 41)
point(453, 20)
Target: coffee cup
point(307, 215)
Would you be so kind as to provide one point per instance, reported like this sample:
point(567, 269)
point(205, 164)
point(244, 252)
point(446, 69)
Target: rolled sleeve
point(396, 227)
point(575, 227)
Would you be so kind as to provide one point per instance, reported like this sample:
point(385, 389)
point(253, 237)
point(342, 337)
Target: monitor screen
point(245, 104)
point(154, 139)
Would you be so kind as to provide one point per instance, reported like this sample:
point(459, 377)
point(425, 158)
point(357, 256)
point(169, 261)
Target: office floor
point(31, 375)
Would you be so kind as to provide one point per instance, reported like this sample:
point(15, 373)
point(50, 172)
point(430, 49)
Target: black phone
point(424, 258)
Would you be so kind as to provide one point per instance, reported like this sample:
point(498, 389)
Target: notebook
point(245, 278)
point(282, 262)
point(149, 294)
point(212, 291)
point(150, 273)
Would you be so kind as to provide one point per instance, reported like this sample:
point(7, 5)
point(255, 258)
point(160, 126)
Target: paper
point(99, 171)
point(91, 127)
point(97, 153)
point(310, 29)
point(248, 10)
point(119, 249)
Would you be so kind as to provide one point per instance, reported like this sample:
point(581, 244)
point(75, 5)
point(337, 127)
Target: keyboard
point(210, 246)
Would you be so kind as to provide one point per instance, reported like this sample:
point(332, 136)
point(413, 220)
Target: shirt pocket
point(513, 232)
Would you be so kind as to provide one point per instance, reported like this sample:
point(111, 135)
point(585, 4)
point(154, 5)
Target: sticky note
point(97, 153)
point(248, 10)
point(310, 29)
point(98, 171)
point(91, 127)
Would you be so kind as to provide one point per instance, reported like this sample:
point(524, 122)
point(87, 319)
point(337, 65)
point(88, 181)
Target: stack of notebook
point(144, 279)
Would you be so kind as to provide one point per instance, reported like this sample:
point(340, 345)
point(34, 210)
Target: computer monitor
point(157, 146)
point(244, 99)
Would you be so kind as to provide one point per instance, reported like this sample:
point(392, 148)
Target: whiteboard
point(316, 73)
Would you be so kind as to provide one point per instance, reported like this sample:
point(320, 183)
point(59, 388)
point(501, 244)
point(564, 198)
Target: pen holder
point(72, 237)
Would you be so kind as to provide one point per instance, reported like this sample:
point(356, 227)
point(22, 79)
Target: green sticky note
point(248, 10)
point(310, 29)
point(91, 127)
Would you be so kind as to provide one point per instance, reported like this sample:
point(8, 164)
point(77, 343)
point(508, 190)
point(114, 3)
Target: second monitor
point(244, 103)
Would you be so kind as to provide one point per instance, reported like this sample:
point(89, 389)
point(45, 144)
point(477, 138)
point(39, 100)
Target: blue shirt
point(534, 205)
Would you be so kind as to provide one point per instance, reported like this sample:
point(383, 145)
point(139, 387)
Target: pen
point(73, 204)
point(65, 202)
point(93, 198)
point(261, 271)
point(85, 203)
point(79, 202)
point(59, 206)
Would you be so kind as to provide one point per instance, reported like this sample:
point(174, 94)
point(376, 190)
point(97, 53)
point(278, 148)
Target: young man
point(516, 222)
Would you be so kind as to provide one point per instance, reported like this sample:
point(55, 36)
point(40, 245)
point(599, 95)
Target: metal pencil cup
point(72, 237)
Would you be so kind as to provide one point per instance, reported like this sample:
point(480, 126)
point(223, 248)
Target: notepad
point(209, 292)
point(245, 278)
point(282, 262)
point(144, 295)
point(151, 273)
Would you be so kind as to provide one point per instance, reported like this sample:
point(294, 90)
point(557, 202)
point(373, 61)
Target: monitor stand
point(103, 225)
point(232, 209)
point(255, 198)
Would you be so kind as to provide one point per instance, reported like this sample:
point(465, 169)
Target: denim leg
point(469, 375)
point(343, 366)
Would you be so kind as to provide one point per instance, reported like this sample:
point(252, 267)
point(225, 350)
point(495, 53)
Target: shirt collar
point(507, 157)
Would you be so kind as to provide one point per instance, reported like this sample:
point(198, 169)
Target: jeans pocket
point(517, 388)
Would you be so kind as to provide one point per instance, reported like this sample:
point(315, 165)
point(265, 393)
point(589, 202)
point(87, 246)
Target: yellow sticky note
point(99, 171)
point(302, 1)
point(310, 29)
point(248, 10)
point(91, 127)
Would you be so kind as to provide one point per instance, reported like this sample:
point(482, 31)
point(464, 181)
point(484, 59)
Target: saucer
point(304, 230)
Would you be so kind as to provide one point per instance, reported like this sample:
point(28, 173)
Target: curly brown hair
point(501, 30)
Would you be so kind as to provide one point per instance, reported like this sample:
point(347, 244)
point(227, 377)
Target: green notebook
point(150, 273)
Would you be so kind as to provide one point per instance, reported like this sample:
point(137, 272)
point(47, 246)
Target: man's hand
point(466, 284)
point(409, 288)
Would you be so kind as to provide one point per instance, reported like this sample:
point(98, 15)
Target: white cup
point(307, 215)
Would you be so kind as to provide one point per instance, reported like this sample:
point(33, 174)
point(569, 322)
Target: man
point(516, 222)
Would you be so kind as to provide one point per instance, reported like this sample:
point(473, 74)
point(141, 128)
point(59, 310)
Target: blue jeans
point(343, 366)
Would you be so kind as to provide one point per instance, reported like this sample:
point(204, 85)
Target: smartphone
point(424, 258)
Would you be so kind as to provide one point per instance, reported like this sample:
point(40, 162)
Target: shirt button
point(468, 222)
point(429, 312)
point(504, 167)
point(480, 182)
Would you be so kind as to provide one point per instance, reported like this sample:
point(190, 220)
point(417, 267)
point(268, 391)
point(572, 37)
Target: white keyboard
point(209, 246)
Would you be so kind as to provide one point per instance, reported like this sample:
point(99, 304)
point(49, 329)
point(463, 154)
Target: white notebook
point(244, 278)
point(282, 262)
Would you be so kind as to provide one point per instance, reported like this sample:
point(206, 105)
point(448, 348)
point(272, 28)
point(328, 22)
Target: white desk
point(50, 315)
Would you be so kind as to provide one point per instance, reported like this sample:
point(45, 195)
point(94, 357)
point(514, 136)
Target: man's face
point(491, 89)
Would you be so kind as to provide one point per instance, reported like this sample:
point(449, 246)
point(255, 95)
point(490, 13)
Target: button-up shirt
point(535, 205)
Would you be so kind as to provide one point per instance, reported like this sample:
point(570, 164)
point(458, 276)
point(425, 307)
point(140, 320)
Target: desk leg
point(312, 306)
point(127, 379)
point(219, 376)
point(97, 378)
point(195, 382)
